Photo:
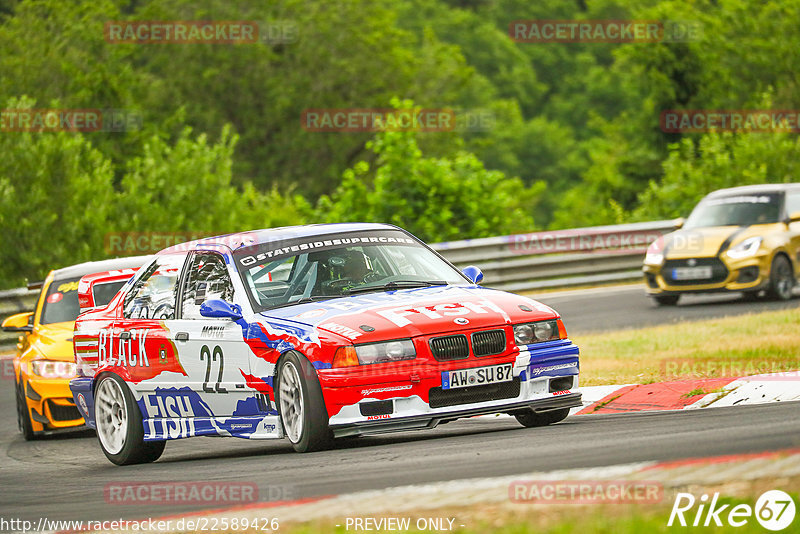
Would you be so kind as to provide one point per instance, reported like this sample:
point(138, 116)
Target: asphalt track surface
point(64, 477)
point(621, 307)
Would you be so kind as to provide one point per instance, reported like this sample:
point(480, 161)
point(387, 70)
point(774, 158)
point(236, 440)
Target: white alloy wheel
point(111, 416)
point(291, 397)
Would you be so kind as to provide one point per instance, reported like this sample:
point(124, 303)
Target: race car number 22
point(210, 356)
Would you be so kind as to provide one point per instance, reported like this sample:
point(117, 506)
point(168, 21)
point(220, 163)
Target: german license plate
point(692, 273)
point(477, 376)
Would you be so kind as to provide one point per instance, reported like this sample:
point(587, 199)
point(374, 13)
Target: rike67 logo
point(774, 510)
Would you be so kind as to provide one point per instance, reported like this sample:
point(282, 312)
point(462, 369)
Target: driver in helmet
point(357, 265)
point(348, 268)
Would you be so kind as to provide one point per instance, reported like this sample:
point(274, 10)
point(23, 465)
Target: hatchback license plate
point(692, 273)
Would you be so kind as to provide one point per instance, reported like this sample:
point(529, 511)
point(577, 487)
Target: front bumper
point(367, 401)
point(748, 274)
point(570, 400)
point(50, 405)
point(83, 395)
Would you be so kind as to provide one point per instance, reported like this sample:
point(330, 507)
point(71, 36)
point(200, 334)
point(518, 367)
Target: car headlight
point(654, 258)
point(369, 353)
point(528, 333)
point(655, 253)
point(746, 248)
point(53, 369)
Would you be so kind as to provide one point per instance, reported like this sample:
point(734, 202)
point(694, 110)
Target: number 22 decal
point(207, 355)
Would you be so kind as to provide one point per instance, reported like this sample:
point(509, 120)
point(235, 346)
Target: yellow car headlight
point(655, 253)
point(53, 369)
point(746, 248)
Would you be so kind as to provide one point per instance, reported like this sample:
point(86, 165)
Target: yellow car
point(744, 239)
point(44, 362)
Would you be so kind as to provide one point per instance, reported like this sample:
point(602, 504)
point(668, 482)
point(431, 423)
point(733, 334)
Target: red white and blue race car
point(312, 333)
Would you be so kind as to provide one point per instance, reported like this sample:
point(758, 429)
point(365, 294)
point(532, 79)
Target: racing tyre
point(781, 279)
point(532, 419)
point(302, 408)
point(666, 300)
point(119, 425)
point(23, 416)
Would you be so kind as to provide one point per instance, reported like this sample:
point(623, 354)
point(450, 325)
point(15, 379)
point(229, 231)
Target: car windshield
point(318, 268)
point(742, 210)
point(61, 302)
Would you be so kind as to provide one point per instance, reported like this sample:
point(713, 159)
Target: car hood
point(413, 312)
point(54, 341)
point(709, 241)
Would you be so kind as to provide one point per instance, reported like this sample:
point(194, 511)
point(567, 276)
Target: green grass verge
point(566, 519)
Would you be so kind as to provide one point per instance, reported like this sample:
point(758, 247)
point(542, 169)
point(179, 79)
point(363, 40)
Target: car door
point(143, 346)
point(792, 208)
point(219, 356)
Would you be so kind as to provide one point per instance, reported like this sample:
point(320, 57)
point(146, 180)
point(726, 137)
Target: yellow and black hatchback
point(45, 360)
point(744, 239)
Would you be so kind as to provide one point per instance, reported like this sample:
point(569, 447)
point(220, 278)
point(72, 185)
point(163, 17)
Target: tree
point(187, 187)
point(718, 160)
point(437, 199)
point(55, 200)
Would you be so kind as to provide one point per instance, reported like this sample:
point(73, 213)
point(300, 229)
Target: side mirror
point(20, 322)
point(473, 273)
point(679, 222)
point(219, 309)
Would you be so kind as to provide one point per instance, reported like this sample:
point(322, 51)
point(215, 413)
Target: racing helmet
point(350, 264)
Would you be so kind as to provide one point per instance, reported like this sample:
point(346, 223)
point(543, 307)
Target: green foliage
point(221, 146)
point(437, 199)
point(718, 160)
point(55, 201)
point(58, 201)
point(190, 183)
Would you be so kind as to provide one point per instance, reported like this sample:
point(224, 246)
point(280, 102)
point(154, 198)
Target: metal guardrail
point(14, 301)
point(559, 258)
point(522, 262)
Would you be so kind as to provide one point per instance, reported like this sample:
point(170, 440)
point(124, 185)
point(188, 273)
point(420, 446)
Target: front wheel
point(23, 415)
point(119, 425)
point(781, 279)
point(532, 419)
point(750, 296)
point(303, 413)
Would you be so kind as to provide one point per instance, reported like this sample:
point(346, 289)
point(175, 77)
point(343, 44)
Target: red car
point(312, 333)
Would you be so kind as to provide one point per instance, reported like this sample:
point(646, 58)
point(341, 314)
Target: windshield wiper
point(396, 284)
point(304, 300)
